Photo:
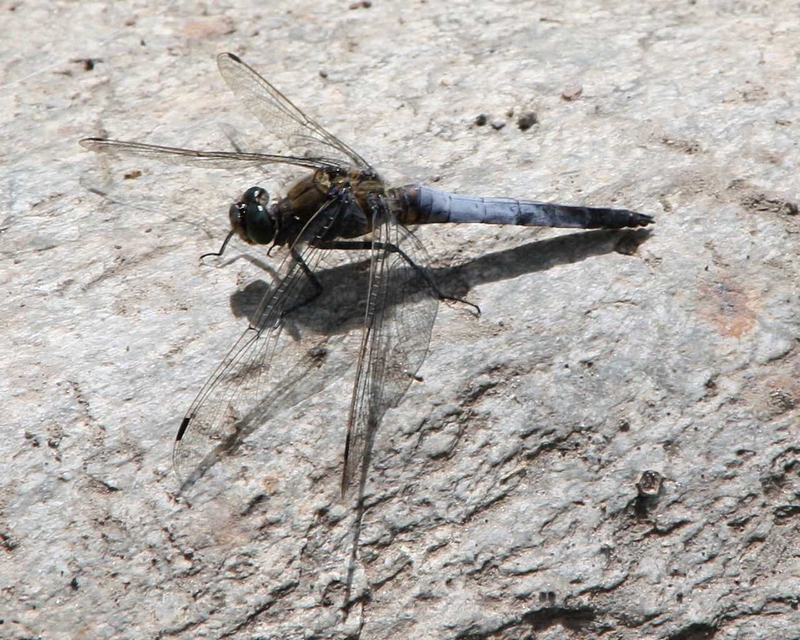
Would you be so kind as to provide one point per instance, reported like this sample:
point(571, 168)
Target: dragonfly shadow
point(345, 286)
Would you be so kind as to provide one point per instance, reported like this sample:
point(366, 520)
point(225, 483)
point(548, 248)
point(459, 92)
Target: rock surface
point(508, 495)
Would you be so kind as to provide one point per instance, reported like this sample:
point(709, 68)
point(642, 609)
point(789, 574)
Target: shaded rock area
point(610, 451)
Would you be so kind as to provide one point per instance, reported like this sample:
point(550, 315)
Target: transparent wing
point(270, 367)
point(282, 118)
point(401, 309)
point(192, 157)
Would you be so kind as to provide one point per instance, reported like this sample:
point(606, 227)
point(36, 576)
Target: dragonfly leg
point(222, 248)
point(366, 245)
point(315, 283)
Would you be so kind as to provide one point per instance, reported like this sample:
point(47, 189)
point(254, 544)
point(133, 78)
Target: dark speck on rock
point(87, 63)
point(527, 120)
point(481, 120)
point(649, 484)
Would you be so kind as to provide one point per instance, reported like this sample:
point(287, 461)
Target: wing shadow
point(340, 310)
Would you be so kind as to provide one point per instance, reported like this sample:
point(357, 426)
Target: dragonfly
point(341, 204)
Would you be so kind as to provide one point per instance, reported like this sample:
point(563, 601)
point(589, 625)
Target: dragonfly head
point(251, 219)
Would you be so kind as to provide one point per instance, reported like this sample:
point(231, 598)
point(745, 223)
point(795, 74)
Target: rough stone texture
point(502, 500)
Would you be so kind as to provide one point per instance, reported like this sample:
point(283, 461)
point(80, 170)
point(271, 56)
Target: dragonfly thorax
point(251, 219)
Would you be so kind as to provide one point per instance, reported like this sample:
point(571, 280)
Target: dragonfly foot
point(476, 310)
point(219, 253)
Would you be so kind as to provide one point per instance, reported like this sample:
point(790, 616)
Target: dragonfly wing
point(282, 118)
point(401, 309)
point(192, 157)
point(268, 369)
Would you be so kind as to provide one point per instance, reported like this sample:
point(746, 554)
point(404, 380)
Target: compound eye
point(250, 218)
point(257, 196)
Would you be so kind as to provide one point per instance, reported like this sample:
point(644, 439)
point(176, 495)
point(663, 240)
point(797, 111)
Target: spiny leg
point(301, 263)
point(366, 245)
point(311, 278)
point(219, 253)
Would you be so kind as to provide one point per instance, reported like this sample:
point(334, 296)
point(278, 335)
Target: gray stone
point(502, 500)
